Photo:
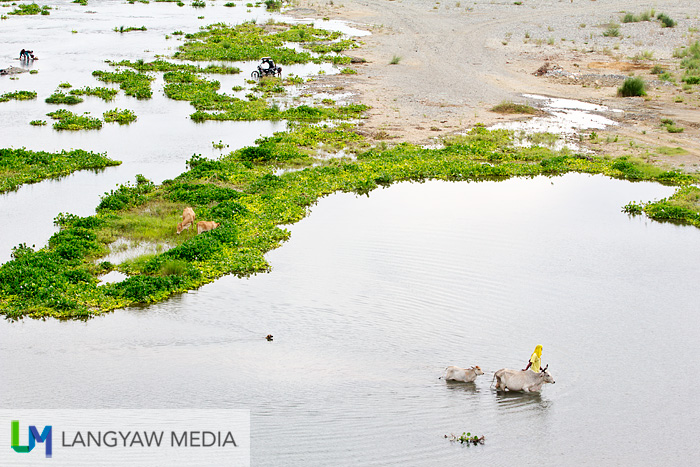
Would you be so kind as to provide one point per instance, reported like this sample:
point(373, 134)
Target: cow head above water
point(477, 370)
point(546, 376)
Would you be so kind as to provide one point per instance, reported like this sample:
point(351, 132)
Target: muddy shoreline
point(457, 61)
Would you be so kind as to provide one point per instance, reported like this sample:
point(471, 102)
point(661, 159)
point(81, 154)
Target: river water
point(370, 299)
point(374, 296)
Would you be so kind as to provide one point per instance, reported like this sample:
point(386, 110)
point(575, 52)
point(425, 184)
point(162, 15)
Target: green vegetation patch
point(248, 41)
point(67, 99)
point(666, 21)
point(682, 208)
point(20, 166)
point(243, 192)
point(632, 87)
point(67, 120)
point(30, 9)
point(690, 62)
point(18, 96)
point(123, 117)
point(211, 105)
point(668, 151)
point(133, 84)
point(122, 29)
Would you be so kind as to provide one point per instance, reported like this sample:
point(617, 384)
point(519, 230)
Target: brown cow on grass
point(188, 217)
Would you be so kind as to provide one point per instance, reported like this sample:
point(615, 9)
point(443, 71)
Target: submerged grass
point(241, 191)
point(21, 166)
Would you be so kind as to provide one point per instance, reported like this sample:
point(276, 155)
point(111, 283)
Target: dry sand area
point(459, 59)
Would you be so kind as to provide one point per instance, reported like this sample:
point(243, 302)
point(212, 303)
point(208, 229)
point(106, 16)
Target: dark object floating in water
point(13, 70)
point(269, 337)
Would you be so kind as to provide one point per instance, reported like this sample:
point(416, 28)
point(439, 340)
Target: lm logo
point(34, 437)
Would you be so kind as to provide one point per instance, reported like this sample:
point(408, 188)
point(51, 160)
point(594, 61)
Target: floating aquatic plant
point(133, 84)
point(67, 120)
point(59, 98)
point(466, 438)
point(18, 96)
point(123, 117)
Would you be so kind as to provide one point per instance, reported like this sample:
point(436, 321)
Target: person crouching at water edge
point(535, 360)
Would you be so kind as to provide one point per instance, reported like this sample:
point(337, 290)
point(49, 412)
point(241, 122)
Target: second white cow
point(465, 375)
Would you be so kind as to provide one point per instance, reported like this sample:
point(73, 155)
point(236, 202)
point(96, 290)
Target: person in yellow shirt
point(535, 360)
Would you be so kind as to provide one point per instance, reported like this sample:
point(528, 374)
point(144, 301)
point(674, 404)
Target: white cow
point(188, 217)
point(521, 380)
point(465, 375)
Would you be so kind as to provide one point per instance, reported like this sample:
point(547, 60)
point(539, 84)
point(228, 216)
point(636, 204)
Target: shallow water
point(374, 296)
point(566, 118)
point(157, 145)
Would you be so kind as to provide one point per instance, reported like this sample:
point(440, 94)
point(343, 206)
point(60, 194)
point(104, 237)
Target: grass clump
point(612, 31)
point(38, 122)
point(18, 96)
point(67, 120)
point(666, 21)
point(508, 107)
point(643, 16)
point(122, 29)
point(395, 60)
point(632, 87)
point(273, 5)
point(67, 99)
point(690, 62)
point(670, 126)
point(123, 117)
point(21, 166)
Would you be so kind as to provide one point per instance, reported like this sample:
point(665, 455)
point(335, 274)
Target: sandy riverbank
point(459, 59)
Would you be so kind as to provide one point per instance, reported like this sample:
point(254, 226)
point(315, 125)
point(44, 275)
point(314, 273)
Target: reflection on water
point(516, 401)
point(374, 296)
point(466, 388)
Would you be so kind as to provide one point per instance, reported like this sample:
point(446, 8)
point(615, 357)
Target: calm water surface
point(374, 296)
